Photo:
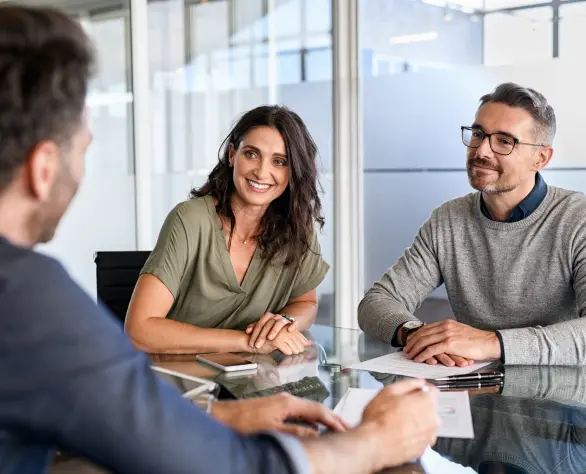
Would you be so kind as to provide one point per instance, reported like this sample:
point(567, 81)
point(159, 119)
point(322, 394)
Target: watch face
point(412, 325)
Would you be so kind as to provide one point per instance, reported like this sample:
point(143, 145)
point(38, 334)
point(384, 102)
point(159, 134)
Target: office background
point(175, 74)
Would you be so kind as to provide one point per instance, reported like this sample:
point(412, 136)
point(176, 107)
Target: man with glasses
point(512, 255)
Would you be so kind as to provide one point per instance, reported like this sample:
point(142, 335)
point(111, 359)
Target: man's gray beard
point(494, 189)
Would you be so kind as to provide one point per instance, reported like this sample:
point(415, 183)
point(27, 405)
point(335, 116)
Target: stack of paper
point(453, 407)
point(397, 363)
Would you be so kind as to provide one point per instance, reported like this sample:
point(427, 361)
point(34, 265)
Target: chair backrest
point(116, 275)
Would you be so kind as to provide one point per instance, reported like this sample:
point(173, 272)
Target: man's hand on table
point(452, 343)
point(449, 360)
point(403, 420)
point(272, 413)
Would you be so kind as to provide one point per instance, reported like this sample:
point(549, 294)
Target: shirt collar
point(527, 206)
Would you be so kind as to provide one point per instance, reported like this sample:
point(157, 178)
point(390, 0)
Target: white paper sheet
point(434, 463)
point(397, 363)
point(339, 408)
point(455, 415)
point(453, 408)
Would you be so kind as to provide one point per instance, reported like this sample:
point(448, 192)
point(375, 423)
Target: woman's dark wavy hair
point(287, 227)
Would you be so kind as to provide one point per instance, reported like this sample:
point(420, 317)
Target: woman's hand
point(289, 343)
point(267, 328)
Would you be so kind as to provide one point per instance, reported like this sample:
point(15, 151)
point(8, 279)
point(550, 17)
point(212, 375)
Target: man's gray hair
point(536, 104)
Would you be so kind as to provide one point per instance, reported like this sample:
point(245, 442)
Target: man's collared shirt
point(526, 207)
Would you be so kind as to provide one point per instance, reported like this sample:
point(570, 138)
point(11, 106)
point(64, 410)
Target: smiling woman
point(235, 267)
point(267, 164)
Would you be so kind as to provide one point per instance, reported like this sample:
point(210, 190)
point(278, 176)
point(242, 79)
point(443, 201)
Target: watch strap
point(404, 332)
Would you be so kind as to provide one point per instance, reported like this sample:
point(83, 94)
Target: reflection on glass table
point(537, 424)
point(297, 375)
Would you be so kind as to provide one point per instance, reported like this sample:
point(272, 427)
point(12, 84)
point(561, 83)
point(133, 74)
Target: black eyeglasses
point(500, 143)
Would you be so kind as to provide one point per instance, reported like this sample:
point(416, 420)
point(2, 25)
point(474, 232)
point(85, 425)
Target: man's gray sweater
point(526, 279)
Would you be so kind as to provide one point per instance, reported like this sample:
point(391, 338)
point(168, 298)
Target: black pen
point(472, 377)
point(468, 385)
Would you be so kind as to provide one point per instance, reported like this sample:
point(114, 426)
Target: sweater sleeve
point(561, 343)
point(562, 384)
point(401, 290)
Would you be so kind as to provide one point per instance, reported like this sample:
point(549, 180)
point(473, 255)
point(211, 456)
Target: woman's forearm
point(304, 313)
point(165, 336)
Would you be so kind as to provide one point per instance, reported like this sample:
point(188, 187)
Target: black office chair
point(116, 275)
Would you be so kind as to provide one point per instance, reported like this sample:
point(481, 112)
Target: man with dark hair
point(512, 255)
point(70, 377)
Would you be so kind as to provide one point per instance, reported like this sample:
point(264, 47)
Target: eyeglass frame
point(516, 141)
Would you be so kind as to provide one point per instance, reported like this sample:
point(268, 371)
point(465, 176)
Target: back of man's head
point(46, 61)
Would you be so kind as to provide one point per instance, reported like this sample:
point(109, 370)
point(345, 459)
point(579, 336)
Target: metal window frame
point(143, 162)
point(348, 165)
point(555, 6)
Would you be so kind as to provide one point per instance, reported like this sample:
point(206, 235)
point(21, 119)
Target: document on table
point(397, 363)
point(434, 463)
point(453, 409)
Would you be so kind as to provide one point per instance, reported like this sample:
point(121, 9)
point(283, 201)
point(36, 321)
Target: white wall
point(101, 218)
point(413, 120)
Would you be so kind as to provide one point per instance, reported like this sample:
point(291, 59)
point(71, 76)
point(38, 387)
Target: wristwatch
point(406, 329)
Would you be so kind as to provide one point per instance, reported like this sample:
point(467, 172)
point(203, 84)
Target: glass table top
point(537, 424)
